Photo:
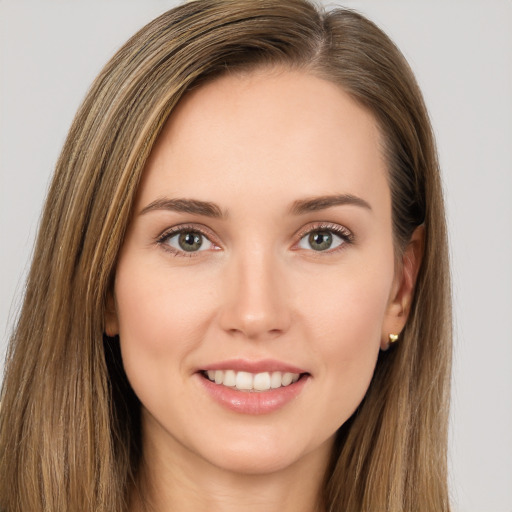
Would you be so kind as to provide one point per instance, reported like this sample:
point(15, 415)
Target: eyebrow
point(208, 209)
point(193, 206)
point(313, 204)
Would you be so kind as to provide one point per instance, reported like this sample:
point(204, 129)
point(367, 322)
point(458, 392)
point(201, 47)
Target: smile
point(253, 387)
point(246, 381)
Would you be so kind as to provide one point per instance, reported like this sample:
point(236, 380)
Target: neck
point(176, 479)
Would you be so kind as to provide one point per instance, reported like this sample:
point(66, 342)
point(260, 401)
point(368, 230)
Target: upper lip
point(262, 365)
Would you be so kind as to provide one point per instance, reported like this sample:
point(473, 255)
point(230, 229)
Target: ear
point(111, 321)
point(402, 291)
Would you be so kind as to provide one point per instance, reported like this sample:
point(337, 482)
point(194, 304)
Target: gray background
point(50, 51)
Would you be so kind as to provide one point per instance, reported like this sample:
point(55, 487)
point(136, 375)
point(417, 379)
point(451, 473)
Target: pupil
point(190, 241)
point(320, 240)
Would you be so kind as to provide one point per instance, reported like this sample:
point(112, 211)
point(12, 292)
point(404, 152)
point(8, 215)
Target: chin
point(264, 455)
point(252, 464)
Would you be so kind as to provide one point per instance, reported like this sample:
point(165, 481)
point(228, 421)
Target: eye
point(186, 240)
point(324, 239)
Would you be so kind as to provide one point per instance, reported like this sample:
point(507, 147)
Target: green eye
point(187, 241)
point(190, 241)
point(320, 240)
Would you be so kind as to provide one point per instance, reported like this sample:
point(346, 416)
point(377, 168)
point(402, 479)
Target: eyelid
point(337, 229)
point(180, 228)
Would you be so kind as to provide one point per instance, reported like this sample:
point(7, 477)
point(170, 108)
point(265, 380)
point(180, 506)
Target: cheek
point(155, 308)
point(346, 322)
point(161, 321)
point(349, 308)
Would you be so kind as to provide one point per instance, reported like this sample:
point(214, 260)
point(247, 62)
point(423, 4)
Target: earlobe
point(403, 288)
point(111, 321)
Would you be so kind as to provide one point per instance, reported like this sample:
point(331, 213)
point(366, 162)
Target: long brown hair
point(69, 423)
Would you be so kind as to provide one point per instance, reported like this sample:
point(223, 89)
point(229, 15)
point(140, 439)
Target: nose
point(255, 301)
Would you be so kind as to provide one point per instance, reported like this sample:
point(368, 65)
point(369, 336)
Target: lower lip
point(253, 402)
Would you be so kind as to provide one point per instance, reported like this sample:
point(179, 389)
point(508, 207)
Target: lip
point(253, 403)
point(263, 365)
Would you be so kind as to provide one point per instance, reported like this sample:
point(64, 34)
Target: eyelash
point(340, 231)
point(183, 228)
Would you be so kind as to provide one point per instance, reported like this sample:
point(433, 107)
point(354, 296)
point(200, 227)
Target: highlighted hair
point(69, 424)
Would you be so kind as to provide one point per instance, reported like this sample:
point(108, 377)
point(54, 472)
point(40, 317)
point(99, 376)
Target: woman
point(246, 214)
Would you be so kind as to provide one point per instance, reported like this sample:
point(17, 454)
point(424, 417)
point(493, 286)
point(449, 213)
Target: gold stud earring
point(393, 338)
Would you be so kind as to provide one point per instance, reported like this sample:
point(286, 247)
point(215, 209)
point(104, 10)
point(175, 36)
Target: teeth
point(261, 381)
point(287, 379)
point(229, 378)
point(245, 381)
point(276, 380)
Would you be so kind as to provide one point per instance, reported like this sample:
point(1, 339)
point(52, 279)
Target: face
point(257, 279)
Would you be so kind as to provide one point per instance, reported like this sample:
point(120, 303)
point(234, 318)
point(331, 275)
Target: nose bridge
point(255, 303)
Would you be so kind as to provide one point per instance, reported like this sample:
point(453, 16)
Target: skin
point(254, 144)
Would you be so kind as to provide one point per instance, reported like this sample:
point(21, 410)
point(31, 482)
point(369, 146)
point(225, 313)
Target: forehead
point(266, 131)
